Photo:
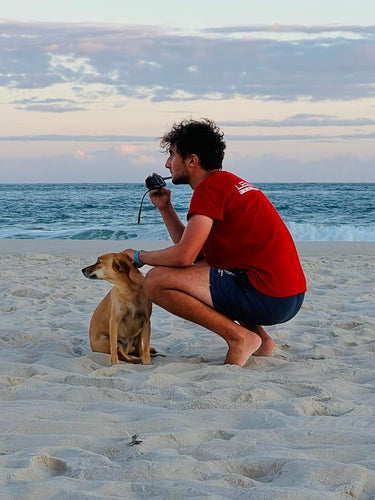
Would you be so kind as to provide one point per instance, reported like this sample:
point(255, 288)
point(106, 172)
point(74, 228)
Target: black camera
point(155, 181)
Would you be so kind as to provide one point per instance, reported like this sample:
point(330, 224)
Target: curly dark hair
point(202, 138)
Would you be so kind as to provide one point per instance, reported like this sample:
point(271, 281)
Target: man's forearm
point(173, 223)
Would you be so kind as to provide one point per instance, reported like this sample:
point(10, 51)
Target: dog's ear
point(133, 273)
point(121, 266)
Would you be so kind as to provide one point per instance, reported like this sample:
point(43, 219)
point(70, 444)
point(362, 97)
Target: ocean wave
point(299, 231)
point(152, 232)
point(103, 234)
point(338, 232)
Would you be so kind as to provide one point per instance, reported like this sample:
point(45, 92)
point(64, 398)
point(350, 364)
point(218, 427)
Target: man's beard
point(182, 179)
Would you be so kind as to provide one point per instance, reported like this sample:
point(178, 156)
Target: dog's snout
point(87, 273)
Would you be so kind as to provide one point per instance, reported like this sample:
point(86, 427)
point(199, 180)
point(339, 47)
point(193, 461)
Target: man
point(234, 267)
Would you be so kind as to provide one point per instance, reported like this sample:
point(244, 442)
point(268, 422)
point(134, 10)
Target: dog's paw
point(114, 360)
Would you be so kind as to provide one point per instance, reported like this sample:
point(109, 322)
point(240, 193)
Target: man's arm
point(173, 223)
point(185, 251)
point(161, 199)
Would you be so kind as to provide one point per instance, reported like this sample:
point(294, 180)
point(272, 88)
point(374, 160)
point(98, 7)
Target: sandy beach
point(297, 425)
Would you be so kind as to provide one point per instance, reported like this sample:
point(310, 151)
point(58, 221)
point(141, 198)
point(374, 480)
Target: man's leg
point(185, 292)
point(268, 345)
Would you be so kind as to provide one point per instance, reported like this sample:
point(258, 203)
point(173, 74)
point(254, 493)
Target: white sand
point(297, 425)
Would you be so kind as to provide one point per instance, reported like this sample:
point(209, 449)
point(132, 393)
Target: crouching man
point(234, 267)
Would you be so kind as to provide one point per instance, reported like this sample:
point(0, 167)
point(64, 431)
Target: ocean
point(312, 211)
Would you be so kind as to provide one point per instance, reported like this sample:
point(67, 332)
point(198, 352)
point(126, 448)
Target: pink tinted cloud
point(79, 153)
point(126, 149)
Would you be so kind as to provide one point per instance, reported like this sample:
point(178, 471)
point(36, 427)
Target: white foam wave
point(301, 231)
point(324, 232)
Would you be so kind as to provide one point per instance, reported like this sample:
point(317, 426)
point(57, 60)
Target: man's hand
point(130, 253)
point(160, 198)
point(134, 256)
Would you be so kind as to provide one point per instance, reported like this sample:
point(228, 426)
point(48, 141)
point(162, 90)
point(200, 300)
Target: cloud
point(50, 108)
point(111, 166)
point(77, 138)
point(146, 62)
point(343, 30)
point(276, 168)
point(79, 153)
point(131, 149)
point(108, 165)
point(57, 105)
point(127, 148)
point(302, 120)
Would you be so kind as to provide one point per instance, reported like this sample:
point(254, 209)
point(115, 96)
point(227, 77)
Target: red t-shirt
point(247, 234)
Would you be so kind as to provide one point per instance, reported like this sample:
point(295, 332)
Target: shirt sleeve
point(208, 200)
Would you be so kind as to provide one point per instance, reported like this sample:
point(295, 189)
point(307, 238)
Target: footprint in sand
point(50, 466)
point(38, 468)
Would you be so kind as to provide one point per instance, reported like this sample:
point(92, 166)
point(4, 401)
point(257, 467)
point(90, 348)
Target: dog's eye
point(98, 261)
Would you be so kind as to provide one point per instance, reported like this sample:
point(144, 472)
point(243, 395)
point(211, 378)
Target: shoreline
point(65, 247)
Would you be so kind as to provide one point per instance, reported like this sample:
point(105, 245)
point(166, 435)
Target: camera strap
point(140, 207)
point(153, 181)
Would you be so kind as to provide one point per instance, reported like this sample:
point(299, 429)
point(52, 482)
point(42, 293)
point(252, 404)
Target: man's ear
point(193, 160)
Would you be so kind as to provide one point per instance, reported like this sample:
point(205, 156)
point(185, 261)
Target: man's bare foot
point(268, 345)
point(241, 349)
point(266, 349)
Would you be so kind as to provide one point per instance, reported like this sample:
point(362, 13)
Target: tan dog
point(120, 325)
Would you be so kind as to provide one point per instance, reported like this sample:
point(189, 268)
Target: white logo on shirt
point(243, 187)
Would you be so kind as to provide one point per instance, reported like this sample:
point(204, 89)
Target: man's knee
point(153, 282)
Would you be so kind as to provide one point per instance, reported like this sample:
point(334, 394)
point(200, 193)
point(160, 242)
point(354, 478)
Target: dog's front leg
point(145, 340)
point(113, 336)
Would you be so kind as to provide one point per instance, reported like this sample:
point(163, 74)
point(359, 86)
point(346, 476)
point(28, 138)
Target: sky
point(88, 87)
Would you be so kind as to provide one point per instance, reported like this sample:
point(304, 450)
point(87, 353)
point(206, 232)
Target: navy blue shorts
point(234, 297)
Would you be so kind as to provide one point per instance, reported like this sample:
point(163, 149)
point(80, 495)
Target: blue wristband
point(136, 258)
